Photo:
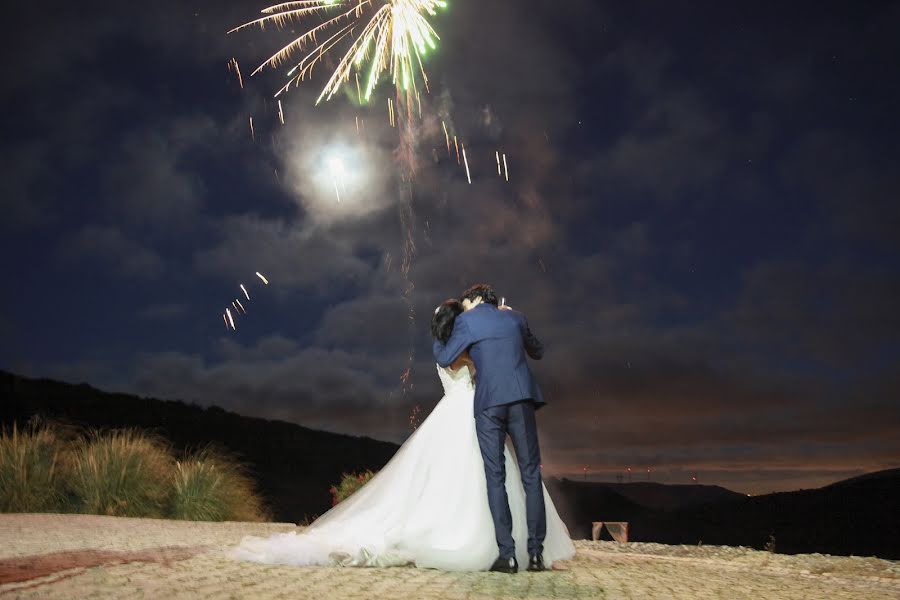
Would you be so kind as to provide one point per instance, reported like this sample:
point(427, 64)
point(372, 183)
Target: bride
point(428, 506)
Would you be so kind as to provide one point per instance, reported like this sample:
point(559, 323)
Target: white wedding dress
point(428, 506)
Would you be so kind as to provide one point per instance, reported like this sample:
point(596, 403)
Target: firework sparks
point(498, 163)
point(280, 113)
point(379, 36)
point(414, 420)
point(243, 289)
point(234, 66)
point(465, 160)
point(230, 319)
point(505, 168)
point(240, 306)
point(446, 135)
point(263, 277)
point(252, 132)
point(456, 143)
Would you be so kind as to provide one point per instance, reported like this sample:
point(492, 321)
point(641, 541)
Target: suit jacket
point(498, 341)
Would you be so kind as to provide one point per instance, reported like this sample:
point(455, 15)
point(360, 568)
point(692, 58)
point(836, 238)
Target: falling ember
point(243, 289)
point(280, 113)
point(446, 135)
point(252, 132)
point(468, 176)
point(498, 163)
point(261, 276)
point(404, 376)
point(505, 168)
point(230, 319)
point(225, 318)
point(235, 306)
point(391, 111)
point(233, 64)
point(414, 417)
point(455, 143)
point(240, 306)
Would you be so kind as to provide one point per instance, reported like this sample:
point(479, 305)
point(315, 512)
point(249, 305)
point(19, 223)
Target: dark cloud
point(110, 247)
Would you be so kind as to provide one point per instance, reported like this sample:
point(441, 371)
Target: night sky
point(702, 224)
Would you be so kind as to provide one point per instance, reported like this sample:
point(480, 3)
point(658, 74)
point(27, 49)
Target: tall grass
point(212, 487)
point(128, 473)
point(29, 470)
point(122, 473)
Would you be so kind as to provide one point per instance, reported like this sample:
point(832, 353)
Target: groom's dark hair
point(480, 290)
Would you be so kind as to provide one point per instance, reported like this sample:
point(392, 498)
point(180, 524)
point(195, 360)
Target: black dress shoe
point(505, 565)
point(536, 563)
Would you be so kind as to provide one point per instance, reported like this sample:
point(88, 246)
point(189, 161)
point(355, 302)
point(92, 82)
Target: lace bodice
point(454, 381)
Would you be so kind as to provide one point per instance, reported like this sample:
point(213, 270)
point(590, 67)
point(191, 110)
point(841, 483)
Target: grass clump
point(122, 473)
point(126, 473)
point(29, 470)
point(350, 482)
point(212, 487)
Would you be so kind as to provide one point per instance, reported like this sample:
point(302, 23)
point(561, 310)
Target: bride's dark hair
point(443, 319)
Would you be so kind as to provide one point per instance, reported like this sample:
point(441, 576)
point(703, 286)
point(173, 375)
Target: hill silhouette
point(294, 467)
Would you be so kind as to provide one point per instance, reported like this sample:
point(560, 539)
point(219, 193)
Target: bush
point(123, 473)
point(55, 468)
point(350, 482)
point(29, 473)
point(211, 487)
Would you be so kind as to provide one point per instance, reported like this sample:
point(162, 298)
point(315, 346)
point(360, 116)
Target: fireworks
point(234, 66)
point(414, 418)
point(238, 306)
point(377, 36)
point(465, 160)
point(447, 136)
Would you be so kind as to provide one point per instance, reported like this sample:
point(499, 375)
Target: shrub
point(212, 487)
point(29, 473)
point(350, 482)
point(122, 473)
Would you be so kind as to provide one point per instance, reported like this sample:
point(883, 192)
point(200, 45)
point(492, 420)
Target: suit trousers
point(492, 425)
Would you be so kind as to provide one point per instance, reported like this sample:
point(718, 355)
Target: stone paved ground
point(69, 556)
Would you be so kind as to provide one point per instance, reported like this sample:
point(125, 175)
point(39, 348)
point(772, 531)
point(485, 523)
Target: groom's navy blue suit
point(506, 397)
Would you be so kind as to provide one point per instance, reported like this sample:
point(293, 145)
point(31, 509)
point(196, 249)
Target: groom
point(506, 397)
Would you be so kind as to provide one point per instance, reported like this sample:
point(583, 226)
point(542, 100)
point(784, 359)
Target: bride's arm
point(463, 359)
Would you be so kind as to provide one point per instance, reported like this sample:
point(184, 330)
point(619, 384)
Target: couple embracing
point(453, 497)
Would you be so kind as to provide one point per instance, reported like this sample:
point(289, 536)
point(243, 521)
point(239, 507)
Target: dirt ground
point(82, 556)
